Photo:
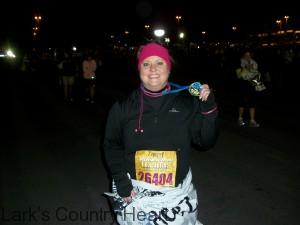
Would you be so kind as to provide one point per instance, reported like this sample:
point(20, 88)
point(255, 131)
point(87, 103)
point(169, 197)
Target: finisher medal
point(195, 89)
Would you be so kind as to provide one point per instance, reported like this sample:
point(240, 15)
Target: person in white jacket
point(247, 93)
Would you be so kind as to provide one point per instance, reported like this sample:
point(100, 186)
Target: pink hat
point(154, 49)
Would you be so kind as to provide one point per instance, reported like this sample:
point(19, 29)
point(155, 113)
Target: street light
point(36, 28)
point(159, 32)
point(286, 19)
point(181, 35)
point(204, 34)
point(178, 18)
point(279, 24)
point(37, 19)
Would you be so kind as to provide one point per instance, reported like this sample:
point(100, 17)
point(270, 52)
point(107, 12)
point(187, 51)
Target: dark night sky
point(91, 19)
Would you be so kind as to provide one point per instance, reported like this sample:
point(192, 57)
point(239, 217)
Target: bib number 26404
point(164, 179)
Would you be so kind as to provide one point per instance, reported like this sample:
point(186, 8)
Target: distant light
point(181, 35)
point(9, 53)
point(38, 18)
point(286, 18)
point(178, 18)
point(167, 40)
point(159, 32)
point(263, 35)
point(74, 48)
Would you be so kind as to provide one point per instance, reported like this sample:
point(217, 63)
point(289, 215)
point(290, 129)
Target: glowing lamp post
point(178, 18)
point(37, 19)
point(279, 24)
point(181, 35)
point(286, 21)
point(159, 33)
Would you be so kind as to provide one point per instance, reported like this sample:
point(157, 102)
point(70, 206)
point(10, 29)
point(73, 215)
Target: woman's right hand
point(129, 198)
point(204, 93)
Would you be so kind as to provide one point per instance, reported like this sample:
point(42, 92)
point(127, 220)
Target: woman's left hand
point(204, 93)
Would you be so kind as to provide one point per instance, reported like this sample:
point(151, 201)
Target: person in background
point(89, 67)
point(69, 70)
point(148, 142)
point(246, 91)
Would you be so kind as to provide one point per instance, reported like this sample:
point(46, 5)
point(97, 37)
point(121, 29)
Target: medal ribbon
point(194, 89)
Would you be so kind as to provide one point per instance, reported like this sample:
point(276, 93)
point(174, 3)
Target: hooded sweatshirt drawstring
point(144, 91)
point(139, 129)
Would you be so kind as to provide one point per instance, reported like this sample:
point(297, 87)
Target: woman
point(148, 142)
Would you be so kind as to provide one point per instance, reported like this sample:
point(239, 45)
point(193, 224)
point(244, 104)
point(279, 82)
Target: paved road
point(52, 170)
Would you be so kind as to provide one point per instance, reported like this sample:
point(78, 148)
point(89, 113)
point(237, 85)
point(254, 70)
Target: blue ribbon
point(194, 88)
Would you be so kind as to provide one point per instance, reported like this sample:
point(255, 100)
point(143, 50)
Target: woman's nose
point(152, 67)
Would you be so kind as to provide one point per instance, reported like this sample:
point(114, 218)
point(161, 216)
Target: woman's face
point(154, 73)
point(247, 55)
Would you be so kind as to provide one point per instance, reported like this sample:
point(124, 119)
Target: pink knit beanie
point(154, 49)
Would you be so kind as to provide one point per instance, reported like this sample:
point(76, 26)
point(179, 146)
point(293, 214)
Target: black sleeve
point(114, 151)
point(205, 129)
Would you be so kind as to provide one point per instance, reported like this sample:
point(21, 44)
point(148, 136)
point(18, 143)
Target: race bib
point(156, 167)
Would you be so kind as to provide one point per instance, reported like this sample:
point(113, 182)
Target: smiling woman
point(148, 141)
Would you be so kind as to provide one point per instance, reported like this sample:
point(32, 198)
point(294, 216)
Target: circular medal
point(195, 88)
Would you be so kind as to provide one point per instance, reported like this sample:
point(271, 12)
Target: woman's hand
point(204, 93)
point(129, 198)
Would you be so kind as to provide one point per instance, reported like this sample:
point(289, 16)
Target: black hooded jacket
point(171, 122)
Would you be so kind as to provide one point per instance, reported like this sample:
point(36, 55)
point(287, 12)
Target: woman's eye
point(145, 64)
point(160, 63)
